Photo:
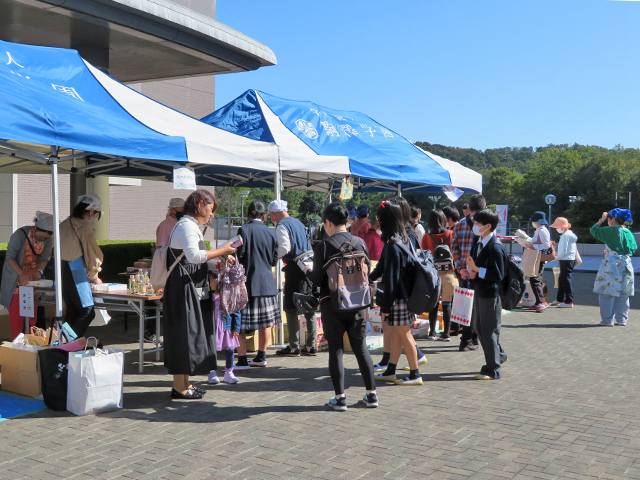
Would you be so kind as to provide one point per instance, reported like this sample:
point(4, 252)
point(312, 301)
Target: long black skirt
point(188, 323)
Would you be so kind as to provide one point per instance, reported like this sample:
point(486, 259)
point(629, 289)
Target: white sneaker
point(555, 303)
point(385, 378)
point(241, 368)
point(565, 305)
point(408, 381)
point(377, 368)
point(213, 378)
point(421, 361)
point(255, 363)
point(229, 377)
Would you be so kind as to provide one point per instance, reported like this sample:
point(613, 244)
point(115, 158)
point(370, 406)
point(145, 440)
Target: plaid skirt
point(259, 313)
point(400, 315)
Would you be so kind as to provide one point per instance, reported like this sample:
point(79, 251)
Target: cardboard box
point(5, 325)
point(20, 370)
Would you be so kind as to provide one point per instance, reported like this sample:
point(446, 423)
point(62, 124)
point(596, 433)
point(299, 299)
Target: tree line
point(586, 180)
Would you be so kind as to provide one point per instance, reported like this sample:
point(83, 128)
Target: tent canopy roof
point(325, 144)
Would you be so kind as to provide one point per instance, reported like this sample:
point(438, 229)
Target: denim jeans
point(611, 306)
point(293, 326)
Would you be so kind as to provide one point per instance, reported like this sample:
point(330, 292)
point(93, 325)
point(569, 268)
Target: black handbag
point(54, 374)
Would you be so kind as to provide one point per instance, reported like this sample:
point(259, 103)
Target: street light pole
point(244, 194)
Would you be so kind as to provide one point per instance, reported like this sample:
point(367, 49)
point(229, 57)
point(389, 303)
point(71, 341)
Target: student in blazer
point(487, 266)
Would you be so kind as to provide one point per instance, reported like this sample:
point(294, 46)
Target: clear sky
point(468, 73)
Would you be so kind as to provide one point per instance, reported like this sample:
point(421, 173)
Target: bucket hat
point(539, 217)
point(561, 222)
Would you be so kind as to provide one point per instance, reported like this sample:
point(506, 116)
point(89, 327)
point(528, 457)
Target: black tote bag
point(53, 370)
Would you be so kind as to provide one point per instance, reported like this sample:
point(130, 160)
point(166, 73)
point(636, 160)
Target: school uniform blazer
point(257, 254)
point(494, 258)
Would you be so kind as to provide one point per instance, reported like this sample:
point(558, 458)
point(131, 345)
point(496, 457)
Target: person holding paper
point(615, 278)
point(28, 252)
point(487, 267)
point(541, 240)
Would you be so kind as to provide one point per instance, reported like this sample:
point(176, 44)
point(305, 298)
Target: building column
point(9, 202)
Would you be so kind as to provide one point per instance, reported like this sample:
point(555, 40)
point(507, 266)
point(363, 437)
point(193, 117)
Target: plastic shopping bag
point(95, 381)
point(462, 306)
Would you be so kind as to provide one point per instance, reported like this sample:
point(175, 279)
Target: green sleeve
point(598, 232)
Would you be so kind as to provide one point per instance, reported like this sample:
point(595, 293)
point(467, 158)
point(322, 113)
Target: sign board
point(26, 302)
point(346, 190)
point(503, 213)
point(184, 178)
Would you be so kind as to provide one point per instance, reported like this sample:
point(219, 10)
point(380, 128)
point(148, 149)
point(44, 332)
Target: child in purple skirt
point(227, 331)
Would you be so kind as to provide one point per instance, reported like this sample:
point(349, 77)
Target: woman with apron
point(81, 259)
point(188, 319)
point(614, 281)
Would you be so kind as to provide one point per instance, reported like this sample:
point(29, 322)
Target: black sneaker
point(337, 404)
point(289, 352)
point(309, 352)
point(370, 400)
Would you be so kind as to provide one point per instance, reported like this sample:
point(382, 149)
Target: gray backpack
point(348, 272)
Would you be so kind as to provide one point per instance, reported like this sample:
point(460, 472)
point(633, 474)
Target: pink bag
point(233, 288)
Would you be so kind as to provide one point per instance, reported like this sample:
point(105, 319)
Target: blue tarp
point(48, 96)
point(15, 405)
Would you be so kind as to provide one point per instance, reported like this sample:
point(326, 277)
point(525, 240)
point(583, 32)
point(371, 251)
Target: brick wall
point(136, 212)
point(34, 193)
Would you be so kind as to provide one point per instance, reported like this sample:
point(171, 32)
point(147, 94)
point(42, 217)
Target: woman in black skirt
point(257, 254)
point(188, 319)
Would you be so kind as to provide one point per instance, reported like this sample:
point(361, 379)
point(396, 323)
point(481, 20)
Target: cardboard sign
point(184, 178)
point(26, 302)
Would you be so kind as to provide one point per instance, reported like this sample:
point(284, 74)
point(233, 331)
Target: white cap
point(278, 206)
point(92, 200)
point(44, 221)
point(176, 203)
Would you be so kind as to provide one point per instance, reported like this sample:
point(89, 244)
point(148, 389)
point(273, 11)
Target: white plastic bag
point(462, 306)
point(102, 318)
point(95, 381)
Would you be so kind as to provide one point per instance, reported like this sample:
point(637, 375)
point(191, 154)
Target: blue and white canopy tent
point(57, 112)
point(318, 146)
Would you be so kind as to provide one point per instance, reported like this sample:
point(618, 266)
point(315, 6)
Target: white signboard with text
point(503, 212)
point(26, 302)
point(184, 178)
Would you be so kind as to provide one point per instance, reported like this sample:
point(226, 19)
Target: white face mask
point(379, 232)
point(560, 230)
point(476, 230)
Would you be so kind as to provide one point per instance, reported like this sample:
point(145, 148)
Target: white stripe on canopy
point(205, 144)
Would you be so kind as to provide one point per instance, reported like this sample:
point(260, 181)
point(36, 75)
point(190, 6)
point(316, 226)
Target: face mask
point(379, 232)
point(560, 231)
point(476, 230)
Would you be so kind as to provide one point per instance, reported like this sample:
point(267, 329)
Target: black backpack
point(425, 293)
point(513, 286)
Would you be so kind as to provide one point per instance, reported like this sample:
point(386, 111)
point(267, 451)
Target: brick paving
point(567, 407)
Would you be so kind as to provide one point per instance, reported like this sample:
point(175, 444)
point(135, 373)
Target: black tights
point(446, 316)
point(335, 324)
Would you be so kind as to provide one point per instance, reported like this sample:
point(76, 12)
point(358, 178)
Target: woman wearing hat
point(566, 257)
point(81, 262)
point(28, 252)
point(541, 241)
point(614, 281)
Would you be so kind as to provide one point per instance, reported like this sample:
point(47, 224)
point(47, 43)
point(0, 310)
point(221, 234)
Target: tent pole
point(399, 189)
point(56, 230)
point(229, 215)
point(276, 185)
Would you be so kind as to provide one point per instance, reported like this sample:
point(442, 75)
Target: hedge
point(118, 255)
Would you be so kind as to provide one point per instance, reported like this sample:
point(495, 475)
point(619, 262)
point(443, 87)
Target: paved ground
point(568, 406)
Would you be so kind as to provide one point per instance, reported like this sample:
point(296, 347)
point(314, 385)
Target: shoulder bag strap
point(29, 242)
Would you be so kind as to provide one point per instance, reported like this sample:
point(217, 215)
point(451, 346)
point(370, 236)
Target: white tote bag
point(102, 318)
point(462, 306)
point(95, 381)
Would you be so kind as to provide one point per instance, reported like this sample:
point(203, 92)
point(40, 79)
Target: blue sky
point(467, 73)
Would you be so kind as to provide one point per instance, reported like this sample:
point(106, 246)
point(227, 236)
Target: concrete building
point(168, 51)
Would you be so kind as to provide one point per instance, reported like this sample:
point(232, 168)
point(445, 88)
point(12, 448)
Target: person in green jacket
point(615, 279)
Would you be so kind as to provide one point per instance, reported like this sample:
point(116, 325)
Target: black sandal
point(190, 395)
point(198, 390)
